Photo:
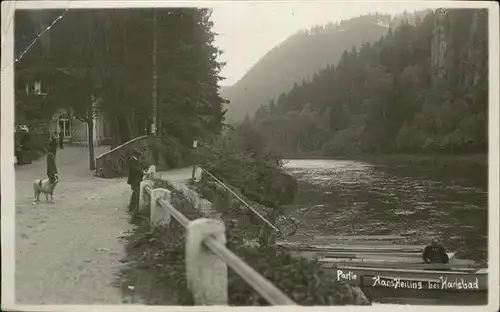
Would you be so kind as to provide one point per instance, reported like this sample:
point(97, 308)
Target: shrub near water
point(156, 268)
point(243, 159)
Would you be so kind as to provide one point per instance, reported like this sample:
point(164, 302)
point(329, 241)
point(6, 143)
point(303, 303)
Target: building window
point(65, 125)
point(36, 87)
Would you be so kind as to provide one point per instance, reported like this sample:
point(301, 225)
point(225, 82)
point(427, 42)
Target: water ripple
point(342, 197)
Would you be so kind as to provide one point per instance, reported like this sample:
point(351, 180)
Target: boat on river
point(389, 271)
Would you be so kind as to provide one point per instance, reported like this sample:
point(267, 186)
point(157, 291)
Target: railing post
point(144, 198)
point(206, 273)
point(197, 173)
point(159, 215)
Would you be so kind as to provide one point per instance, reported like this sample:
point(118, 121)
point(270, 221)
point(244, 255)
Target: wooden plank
point(348, 246)
point(388, 257)
point(444, 297)
point(347, 254)
point(374, 258)
point(409, 301)
point(329, 242)
point(410, 272)
point(385, 256)
point(402, 265)
point(323, 248)
point(358, 237)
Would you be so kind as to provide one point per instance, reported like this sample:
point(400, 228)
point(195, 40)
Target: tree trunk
point(130, 126)
point(115, 130)
point(90, 126)
point(135, 126)
point(154, 95)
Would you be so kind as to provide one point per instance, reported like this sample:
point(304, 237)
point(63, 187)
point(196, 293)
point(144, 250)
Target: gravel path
point(181, 175)
point(68, 252)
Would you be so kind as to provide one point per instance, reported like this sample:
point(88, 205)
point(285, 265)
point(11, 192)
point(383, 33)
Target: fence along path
point(207, 257)
point(241, 200)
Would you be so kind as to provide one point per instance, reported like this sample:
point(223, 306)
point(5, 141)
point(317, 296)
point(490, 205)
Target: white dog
point(149, 173)
point(46, 187)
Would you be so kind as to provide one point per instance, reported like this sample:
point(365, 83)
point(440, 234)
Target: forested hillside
point(421, 88)
point(299, 57)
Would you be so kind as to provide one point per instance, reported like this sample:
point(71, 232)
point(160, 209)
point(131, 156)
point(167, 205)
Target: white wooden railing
point(240, 199)
point(207, 257)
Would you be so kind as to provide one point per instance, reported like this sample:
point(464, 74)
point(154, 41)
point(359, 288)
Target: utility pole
point(154, 97)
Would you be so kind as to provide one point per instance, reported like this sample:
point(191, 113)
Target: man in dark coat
point(435, 253)
point(135, 174)
point(51, 167)
point(18, 150)
point(25, 148)
point(61, 139)
point(53, 145)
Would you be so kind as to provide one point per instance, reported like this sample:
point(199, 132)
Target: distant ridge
point(299, 57)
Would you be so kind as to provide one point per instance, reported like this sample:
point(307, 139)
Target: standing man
point(135, 173)
point(61, 139)
point(26, 146)
point(53, 144)
point(18, 150)
point(51, 167)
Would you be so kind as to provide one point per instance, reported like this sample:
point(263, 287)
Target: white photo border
point(8, 172)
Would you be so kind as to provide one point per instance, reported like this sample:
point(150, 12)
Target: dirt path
point(181, 175)
point(68, 252)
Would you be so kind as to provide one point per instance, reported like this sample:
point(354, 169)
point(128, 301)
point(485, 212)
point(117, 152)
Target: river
point(344, 197)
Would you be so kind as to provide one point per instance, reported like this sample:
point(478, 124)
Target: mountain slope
point(299, 57)
point(422, 88)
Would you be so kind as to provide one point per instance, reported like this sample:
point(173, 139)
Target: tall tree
point(109, 59)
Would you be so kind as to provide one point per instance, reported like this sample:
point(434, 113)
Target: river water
point(343, 197)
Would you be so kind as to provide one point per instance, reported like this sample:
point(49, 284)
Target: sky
point(248, 30)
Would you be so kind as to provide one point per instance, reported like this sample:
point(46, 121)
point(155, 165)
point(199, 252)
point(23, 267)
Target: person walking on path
point(135, 174)
point(18, 151)
point(53, 145)
point(61, 140)
point(26, 148)
point(51, 167)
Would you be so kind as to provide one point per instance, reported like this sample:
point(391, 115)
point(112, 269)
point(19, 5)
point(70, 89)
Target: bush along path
point(155, 270)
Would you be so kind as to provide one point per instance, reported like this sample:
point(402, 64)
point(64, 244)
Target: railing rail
point(241, 200)
point(204, 286)
point(121, 146)
point(259, 283)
